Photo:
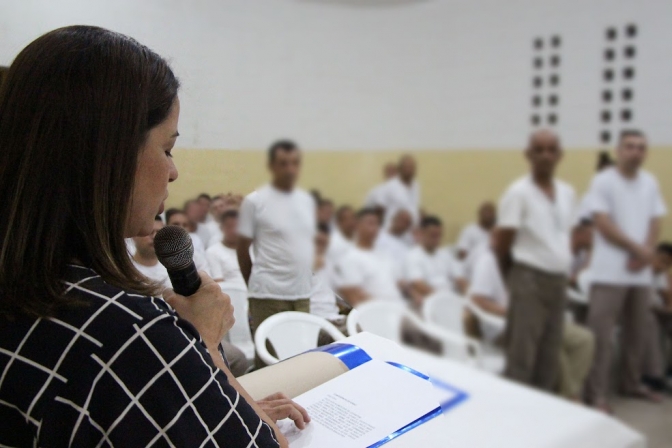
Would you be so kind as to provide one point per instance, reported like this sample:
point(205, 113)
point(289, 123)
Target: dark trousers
point(535, 325)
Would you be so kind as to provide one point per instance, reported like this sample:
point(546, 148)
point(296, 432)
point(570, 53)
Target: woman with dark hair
point(88, 357)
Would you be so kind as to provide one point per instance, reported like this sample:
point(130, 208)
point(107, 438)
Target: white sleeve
point(214, 264)
point(598, 195)
point(246, 218)
point(659, 207)
point(510, 214)
point(413, 268)
point(463, 242)
point(482, 281)
point(348, 273)
point(456, 269)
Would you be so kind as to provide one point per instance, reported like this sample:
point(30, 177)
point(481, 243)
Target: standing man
point(478, 233)
point(280, 220)
point(374, 197)
point(627, 208)
point(402, 192)
point(532, 243)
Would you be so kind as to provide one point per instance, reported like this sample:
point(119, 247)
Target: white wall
point(375, 74)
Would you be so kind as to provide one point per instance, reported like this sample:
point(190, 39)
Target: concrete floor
point(653, 420)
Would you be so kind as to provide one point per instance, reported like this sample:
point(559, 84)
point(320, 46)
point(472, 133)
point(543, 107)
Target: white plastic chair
point(445, 309)
point(493, 359)
point(240, 334)
point(385, 319)
point(291, 333)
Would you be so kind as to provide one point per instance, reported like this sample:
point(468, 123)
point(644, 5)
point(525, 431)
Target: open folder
point(360, 402)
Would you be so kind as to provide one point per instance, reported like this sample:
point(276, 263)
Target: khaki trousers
point(262, 309)
point(576, 357)
point(535, 322)
point(608, 304)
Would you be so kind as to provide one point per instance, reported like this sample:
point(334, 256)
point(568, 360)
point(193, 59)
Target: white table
point(498, 412)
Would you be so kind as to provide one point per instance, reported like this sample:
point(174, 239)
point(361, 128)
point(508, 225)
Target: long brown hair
point(75, 108)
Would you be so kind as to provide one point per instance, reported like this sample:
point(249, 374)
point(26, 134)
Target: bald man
point(374, 199)
point(532, 245)
point(402, 192)
point(477, 233)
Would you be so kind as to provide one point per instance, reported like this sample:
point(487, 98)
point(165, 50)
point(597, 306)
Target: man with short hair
point(325, 212)
point(402, 192)
point(197, 215)
point(145, 259)
point(477, 233)
point(280, 220)
point(393, 243)
point(222, 257)
point(340, 239)
point(429, 269)
point(535, 218)
point(213, 222)
point(363, 274)
point(627, 208)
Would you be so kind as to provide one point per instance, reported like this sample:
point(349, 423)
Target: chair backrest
point(240, 335)
point(380, 317)
point(291, 333)
point(385, 319)
point(445, 309)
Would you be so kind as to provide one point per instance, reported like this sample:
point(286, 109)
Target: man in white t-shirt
point(627, 208)
point(280, 220)
point(478, 233)
point(374, 199)
point(222, 257)
point(341, 237)
point(363, 274)
point(322, 297)
point(429, 269)
point(196, 215)
point(393, 244)
point(536, 214)
point(175, 217)
point(402, 192)
point(488, 291)
point(217, 208)
point(145, 259)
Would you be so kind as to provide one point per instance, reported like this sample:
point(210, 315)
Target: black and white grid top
point(122, 370)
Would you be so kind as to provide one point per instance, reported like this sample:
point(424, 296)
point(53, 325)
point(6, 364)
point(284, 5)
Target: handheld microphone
point(175, 251)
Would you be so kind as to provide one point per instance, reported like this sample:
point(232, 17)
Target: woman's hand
point(208, 309)
point(278, 407)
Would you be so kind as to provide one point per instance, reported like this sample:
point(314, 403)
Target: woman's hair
point(75, 109)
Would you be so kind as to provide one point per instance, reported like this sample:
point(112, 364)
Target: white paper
point(361, 407)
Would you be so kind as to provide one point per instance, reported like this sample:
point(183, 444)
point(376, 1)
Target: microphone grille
point(173, 247)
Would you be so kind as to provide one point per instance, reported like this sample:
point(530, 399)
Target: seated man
point(582, 244)
point(362, 274)
point(340, 238)
point(659, 320)
point(322, 298)
point(393, 243)
point(222, 258)
point(429, 269)
point(489, 292)
point(145, 259)
point(477, 233)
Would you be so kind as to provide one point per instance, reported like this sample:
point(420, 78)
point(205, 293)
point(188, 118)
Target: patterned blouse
point(122, 370)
